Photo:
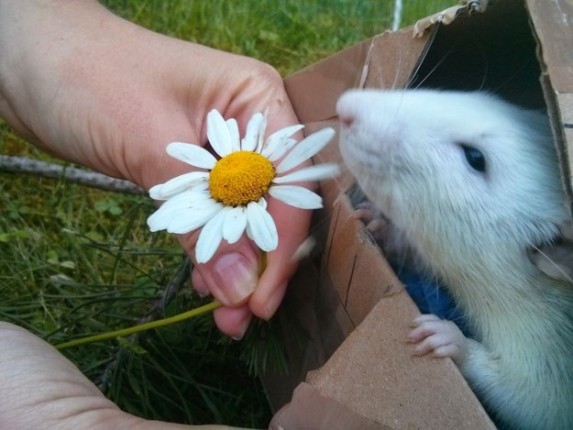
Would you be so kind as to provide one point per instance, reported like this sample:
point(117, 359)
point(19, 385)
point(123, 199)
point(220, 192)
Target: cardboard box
point(346, 315)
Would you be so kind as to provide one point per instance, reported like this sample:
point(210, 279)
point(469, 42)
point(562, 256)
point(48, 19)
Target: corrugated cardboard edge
point(552, 22)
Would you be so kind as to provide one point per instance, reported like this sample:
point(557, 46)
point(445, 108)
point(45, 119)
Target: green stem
point(141, 327)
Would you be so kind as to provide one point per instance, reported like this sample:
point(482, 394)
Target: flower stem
point(141, 327)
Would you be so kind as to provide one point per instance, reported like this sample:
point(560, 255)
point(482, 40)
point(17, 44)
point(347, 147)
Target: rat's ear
point(556, 259)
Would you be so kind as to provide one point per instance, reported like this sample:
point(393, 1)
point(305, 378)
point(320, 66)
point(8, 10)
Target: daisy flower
point(227, 196)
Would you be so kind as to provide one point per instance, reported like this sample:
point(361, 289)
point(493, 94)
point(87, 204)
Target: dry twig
point(24, 165)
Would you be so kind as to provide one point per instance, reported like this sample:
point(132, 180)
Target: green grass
point(77, 261)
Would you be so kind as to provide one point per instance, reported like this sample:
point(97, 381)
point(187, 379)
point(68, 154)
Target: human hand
point(40, 388)
point(97, 90)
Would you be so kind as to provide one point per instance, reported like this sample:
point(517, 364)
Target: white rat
point(472, 184)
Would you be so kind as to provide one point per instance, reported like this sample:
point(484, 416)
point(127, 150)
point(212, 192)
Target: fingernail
point(236, 277)
point(242, 329)
point(202, 293)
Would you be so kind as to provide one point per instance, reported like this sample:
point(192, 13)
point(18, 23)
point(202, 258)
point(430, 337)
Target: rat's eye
point(474, 157)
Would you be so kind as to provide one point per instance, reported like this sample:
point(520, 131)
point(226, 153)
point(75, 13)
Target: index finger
point(293, 225)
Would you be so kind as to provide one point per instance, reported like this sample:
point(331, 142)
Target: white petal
point(189, 200)
point(234, 133)
point(193, 219)
point(296, 196)
point(210, 238)
point(218, 133)
point(261, 141)
point(161, 218)
point(249, 231)
point(191, 154)
point(177, 184)
point(312, 173)
point(255, 128)
point(196, 192)
point(278, 140)
point(306, 148)
point(262, 228)
point(158, 220)
point(285, 133)
point(262, 203)
point(280, 150)
point(235, 224)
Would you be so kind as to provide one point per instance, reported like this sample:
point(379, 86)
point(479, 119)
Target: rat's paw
point(375, 222)
point(439, 337)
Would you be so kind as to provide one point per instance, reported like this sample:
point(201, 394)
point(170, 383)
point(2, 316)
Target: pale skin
point(41, 389)
point(94, 89)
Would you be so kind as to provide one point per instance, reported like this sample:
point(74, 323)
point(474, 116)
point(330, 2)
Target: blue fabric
point(431, 298)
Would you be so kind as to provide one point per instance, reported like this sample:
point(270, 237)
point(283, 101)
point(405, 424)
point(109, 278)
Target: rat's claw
point(439, 337)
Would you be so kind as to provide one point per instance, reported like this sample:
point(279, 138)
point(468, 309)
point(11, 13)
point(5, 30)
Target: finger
point(429, 344)
point(430, 325)
point(420, 319)
point(233, 321)
point(425, 327)
point(439, 345)
point(452, 350)
point(231, 275)
point(269, 294)
point(363, 214)
point(292, 225)
point(199, 283)
point(419, 334)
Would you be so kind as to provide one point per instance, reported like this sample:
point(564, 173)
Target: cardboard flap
point(306, 401)
point(357, 270)
point(313, 91)
point(553, 26)
point(372, 381)
point(383, 61)
point(375, 374)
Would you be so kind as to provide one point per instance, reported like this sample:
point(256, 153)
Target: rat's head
point(460, 166)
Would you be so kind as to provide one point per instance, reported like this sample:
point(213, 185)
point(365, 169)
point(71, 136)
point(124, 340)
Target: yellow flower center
point(241, 177)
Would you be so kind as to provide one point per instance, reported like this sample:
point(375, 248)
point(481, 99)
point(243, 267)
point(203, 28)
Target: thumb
point(231, 275)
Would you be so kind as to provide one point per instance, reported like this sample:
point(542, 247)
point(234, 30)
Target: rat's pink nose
point(345, 119)
point(346, 110)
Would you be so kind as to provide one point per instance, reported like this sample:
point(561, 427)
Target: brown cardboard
point(553, 24)
point(346, 315)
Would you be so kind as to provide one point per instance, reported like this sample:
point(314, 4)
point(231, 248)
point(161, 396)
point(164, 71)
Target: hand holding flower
point(94, 89)
point(230, 198)
point(99, 91)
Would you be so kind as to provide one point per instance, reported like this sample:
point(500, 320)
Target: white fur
point(473, 229)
